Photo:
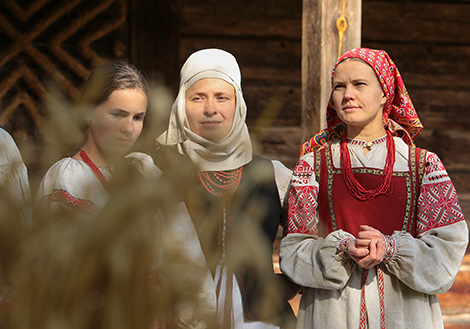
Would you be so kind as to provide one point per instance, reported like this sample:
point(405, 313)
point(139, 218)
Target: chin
point(353, 122)
point(211, 138)
point(121, 151)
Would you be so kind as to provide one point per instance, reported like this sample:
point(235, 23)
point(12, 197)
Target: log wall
point(428, 41)
point(430, 44)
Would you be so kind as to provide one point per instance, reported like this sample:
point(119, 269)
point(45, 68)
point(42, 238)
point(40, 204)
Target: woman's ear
point(383, 100)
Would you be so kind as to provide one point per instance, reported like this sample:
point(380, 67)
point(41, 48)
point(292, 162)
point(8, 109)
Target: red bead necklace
point(221, 183)
point(94, 168)
point(354, 187)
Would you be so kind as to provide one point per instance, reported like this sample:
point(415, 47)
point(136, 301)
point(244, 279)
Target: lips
point(350, 107)
point(125, 141)
point(210, 123)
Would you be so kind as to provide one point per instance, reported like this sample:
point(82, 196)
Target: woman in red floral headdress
point(375, 229)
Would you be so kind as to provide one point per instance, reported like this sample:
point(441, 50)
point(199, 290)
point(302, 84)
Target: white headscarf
point(234, 150)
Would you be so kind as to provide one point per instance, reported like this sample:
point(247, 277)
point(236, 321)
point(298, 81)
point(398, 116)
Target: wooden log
point(279, 143)
point(259, 98)
point(443, 66)
point(259, 59)
point(430, 22)
point(452, 147)
point(322, 44)
point(242, 19)
point(155, 47)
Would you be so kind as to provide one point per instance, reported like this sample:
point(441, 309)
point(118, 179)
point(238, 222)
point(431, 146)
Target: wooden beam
point(322, 44)
point(155, 38)
point(154, 33)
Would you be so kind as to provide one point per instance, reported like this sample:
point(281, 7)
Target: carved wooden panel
point(44, 40)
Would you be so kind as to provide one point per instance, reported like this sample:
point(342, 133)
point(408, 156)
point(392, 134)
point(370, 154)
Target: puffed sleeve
point(282, 175)
point(70, 189)
point(143, 165)
point(306, 258)
point(14, 179)
point(15, 202)
point(430, 262)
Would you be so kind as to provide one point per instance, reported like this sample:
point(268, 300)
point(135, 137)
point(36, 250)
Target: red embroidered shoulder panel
point(302, 204)
point(438, 204)
point(84, 206)
point(302, 210)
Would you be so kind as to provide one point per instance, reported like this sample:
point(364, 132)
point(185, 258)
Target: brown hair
point(106, 78)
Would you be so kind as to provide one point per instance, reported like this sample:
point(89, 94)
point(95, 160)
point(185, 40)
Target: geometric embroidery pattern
point(437, 206)
point(433, 164)
point(302, 201)
point(302, 172)
point(302, 210)
point(435, 170)
point(391, 247)
point(84, 206)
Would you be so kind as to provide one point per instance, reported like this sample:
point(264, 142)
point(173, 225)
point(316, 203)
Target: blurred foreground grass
point(123, 269)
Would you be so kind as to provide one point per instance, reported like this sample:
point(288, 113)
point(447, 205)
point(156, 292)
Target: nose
point(210, 107)
point(348, 93)
point(127, 126)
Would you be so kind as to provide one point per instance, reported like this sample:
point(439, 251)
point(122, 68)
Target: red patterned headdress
point(399, 115)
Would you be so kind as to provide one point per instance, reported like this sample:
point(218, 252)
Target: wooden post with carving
point(329, 28)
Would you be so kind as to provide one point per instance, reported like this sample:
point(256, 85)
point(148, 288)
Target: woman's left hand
point(374, 240)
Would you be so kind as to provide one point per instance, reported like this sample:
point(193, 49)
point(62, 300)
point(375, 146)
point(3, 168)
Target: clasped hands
point(369, 248)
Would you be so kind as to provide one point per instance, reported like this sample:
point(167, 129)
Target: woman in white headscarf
point(234, 198)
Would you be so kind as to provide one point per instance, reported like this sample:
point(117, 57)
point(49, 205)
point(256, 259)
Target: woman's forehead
point(354, 66)
point(211, 83)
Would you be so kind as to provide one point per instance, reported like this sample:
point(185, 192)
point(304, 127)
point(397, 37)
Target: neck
point(94, 154)
point(365, 133)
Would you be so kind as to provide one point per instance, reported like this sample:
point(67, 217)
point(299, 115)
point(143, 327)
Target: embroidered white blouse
point(418, 269)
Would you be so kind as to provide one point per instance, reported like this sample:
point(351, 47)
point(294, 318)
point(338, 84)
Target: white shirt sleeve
point(282, 174)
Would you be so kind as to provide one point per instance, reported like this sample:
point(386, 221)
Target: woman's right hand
point(368, 250)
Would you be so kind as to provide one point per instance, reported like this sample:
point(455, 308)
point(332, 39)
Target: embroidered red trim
point(362, 324)
point(69, 200)
point(363, 316)
point(382, 297)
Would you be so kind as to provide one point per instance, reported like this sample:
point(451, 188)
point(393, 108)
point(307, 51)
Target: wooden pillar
point(154, 28)
point(155, 38)
point(322, 44)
